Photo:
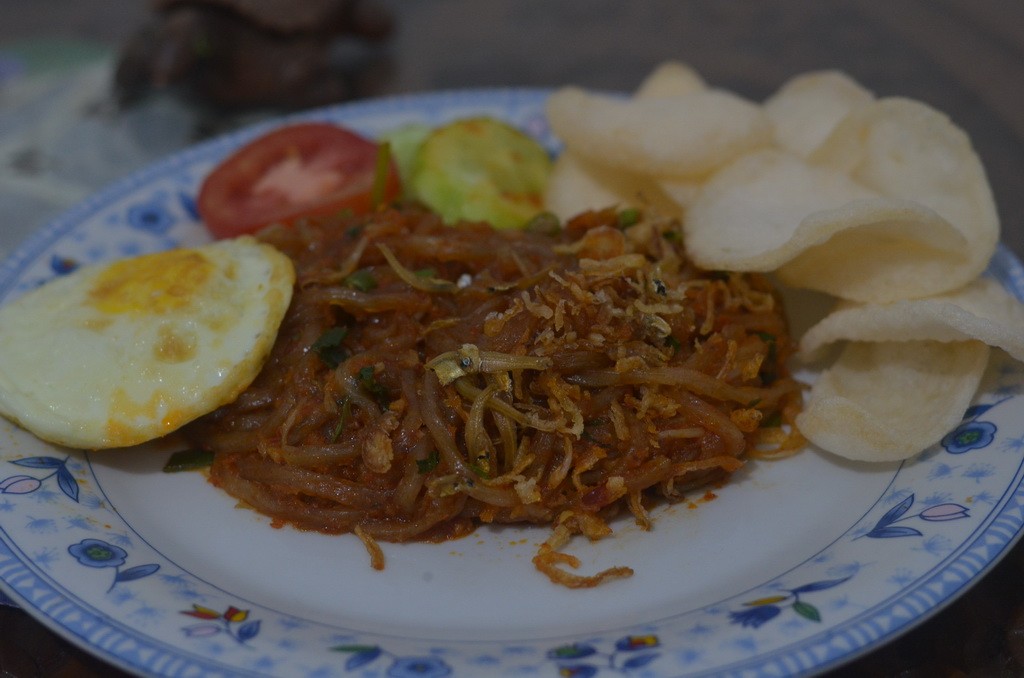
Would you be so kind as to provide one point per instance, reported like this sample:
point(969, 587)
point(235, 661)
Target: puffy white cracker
point(983, 310)
point(806, 109)
point(905, 149)
point(747, 216)
point(771, 210)
point(882, 250)
point(576, 185)
point(888, 401)
point(680, 136)
point(670, 78)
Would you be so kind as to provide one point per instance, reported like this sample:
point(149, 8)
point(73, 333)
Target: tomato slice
point(302, 170)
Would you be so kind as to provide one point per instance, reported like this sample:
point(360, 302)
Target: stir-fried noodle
point(428, 379)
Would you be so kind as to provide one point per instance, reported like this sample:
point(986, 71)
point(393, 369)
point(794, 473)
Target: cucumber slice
point(405, 146)
point(481, 169)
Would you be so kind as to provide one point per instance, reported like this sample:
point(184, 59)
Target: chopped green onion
point(361, 280)
point(426, 273)
point(628, 217)
point(430, 463)
point(545, 223)
point(346, 412)
point(328, 346)
point(368, 382)
point(188, 460)
point(673, 343)
point(480, 468)
point(770, 358)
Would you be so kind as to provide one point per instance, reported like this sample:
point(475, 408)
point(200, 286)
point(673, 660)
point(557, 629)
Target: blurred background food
point(241, 53)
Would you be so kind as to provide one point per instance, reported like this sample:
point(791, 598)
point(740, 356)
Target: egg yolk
point(153, 283)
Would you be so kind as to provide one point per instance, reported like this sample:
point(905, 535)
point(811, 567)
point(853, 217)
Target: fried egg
point(116, 354)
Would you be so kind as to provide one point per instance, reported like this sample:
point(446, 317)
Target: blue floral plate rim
point(797, 619)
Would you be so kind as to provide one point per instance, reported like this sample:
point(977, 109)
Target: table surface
point(964, 57)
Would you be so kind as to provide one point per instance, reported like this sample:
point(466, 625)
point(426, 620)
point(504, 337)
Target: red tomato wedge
point(302, 170)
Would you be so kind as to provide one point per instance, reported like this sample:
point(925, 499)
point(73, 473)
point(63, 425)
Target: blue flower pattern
point(972, 433)
point(151, 216)
point(63, 265)
point(583, 660)
point(763, 610)
point(97, 553)
point(24, 484)
point(233, 623)
point(360, 656)
point(886, 527)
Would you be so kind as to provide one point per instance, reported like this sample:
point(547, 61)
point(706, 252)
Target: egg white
point(116, 354)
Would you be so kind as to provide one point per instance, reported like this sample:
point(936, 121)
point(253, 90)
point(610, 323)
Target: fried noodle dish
point(428, 379)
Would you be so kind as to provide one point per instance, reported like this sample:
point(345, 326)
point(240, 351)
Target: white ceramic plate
point(795, 567)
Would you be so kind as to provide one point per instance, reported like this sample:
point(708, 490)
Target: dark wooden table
point(964, 57)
